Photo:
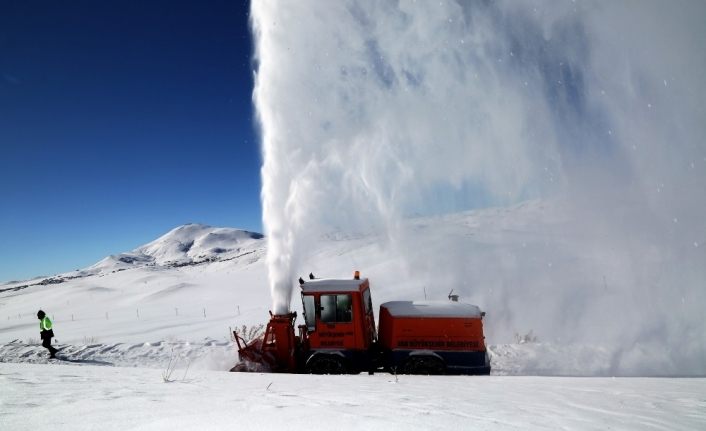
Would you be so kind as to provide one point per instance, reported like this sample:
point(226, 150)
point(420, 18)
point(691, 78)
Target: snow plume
point(375, 112)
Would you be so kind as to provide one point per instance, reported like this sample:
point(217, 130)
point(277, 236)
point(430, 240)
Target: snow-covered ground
point(110, 398)
point(121, 322)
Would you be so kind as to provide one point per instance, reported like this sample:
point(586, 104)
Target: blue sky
point(118, 122)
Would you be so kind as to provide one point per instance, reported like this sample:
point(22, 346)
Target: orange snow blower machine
point(339, 335)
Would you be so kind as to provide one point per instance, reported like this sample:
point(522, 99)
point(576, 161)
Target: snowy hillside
point(175, 299)
point(176, 287)
point(188, 287)
point(190, 244)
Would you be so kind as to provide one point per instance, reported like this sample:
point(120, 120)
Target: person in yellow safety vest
point(46, 333)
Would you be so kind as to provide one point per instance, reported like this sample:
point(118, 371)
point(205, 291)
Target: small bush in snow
point(249, 333)
point(171, 366)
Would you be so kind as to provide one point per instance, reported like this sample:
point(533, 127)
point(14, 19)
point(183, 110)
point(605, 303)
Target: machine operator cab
point(338, 315)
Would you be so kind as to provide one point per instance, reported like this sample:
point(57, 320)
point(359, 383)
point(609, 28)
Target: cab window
point(309, 312)
point(367, 301)
point(336, 308)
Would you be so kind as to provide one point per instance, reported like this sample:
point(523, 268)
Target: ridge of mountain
point(186, 245)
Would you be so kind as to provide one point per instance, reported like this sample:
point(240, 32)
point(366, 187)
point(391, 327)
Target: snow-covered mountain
point(190, 244)
point(187, 245)
point(210, 274)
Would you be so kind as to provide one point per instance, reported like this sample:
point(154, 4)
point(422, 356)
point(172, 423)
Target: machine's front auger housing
point(275, 351)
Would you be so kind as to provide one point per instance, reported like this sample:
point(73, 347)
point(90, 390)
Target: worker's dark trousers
point(46, 343)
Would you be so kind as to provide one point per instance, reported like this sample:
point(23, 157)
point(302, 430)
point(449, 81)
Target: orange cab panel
point(333, 336)
point(427, 325)
point(338, 314)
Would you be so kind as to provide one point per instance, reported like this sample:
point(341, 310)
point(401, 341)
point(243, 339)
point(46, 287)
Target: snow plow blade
point(274, 351)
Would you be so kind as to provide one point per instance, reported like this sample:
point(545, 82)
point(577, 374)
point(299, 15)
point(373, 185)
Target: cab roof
point(333, 285)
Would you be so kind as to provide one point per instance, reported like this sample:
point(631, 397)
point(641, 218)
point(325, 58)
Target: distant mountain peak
point(188, 244)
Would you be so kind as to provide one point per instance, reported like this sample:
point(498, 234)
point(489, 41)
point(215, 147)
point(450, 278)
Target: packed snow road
point(36, 396)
